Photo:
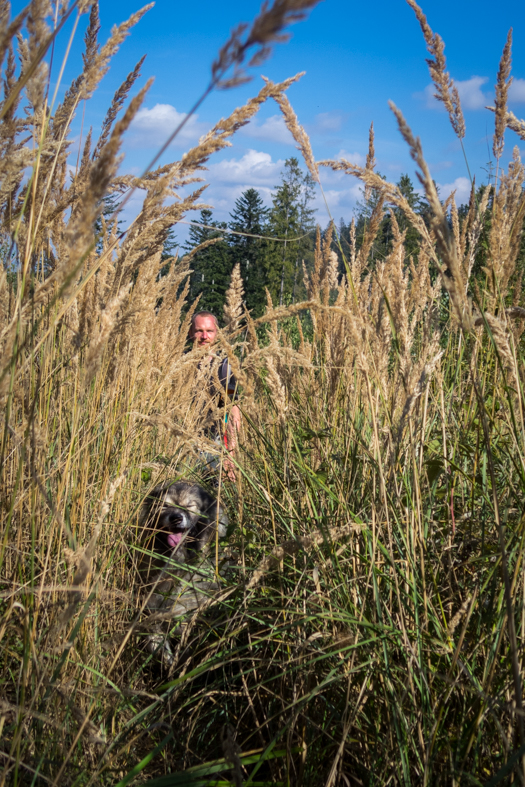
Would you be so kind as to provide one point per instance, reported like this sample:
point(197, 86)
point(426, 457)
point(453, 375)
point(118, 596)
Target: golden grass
point(376, 566)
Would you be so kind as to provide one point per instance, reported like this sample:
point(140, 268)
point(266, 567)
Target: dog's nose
point(176, 519)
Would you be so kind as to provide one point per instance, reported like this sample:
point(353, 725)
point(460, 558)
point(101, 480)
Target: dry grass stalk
point(277, 389)
point(108, 319)
point(79, 234)
point(371, 231)
point(445, 88)
point(217, 138)
point(298, 133)
point(96, 62)
point(293, 546)
point(390, 191)
point(508, 213)
point(274, 315)
point(329, 273)
point(366, 364)
point(266, 30)
point(474, 226)
point(116, 105)
point(352, 246)
point(456, 620)
point(424, 378)
point(332, 271)
point(507, 358)
point(151, 227)
point(513, 123)
point(80, 578)
point(313, 282)
point(454, 282)
point(10, 29)
point(454, 218)
point(370, 161)
point(233, 307)
point(503, 83)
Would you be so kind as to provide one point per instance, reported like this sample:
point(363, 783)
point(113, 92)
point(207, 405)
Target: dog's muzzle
point(176, 523)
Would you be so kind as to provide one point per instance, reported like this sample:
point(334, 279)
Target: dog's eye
point(192, 508)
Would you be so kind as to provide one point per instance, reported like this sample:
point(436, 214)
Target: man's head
point(203, 330)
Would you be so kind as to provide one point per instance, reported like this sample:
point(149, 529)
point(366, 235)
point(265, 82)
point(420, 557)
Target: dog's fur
point(181, 518)
point(178, 521)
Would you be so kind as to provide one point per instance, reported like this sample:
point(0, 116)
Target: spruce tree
point(290, 217)
point(363, 215)
point(406, 187)
point(168, 252)
point(383, 241)
point(211, 267)
point(109, 205)
point(250, 216)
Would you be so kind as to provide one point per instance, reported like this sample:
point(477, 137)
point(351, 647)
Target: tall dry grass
point(369, 627)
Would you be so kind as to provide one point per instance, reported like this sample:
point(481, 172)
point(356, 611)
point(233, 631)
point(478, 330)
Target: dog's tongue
point(174, 539)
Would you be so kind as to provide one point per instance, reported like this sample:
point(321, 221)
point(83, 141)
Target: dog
point(181, 518)
point(178, 521)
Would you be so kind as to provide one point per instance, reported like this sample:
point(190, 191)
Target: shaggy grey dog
point(178, 521)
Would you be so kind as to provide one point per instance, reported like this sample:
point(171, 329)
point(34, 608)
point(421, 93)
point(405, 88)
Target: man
point(203, 333)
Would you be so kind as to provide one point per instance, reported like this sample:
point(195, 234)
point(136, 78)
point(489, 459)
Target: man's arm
point(233, 427)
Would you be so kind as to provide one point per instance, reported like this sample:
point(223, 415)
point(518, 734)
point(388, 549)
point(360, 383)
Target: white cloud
point(441, 165)
point(152, 127)
point(517, 91)
point(330, 177)
point(273, 129)
point(470, 93)
point(461, 186)
point(428, 97)
point(255, 169)
point(353, 158)
point(223, 198)
point(338, 198)
point(327, 122)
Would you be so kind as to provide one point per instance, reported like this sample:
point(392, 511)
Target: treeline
point(275, 265)
point(278, 265)
point(382, 242)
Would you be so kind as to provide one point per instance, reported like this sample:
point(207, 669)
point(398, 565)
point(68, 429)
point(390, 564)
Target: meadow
point(370, 624)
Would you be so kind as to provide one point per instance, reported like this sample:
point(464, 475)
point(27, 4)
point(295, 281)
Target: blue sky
point(356, 57)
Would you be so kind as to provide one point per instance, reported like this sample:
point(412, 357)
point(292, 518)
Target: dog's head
point(181, 516)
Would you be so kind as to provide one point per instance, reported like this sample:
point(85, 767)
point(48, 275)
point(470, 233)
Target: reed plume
point(513, 123)
point(454, 281)
point(369, 474)
point(234, 300)
point(370, 161)
point(108, 320)
point(502, 88)
point(267, 29)
point(446, 91)
point(298, 133)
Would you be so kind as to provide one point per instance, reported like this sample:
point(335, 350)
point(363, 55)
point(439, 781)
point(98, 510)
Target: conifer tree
point(250, 216)
point(110, 203)
point(290, 217)
point(383, 240)
point(168, 252)
point(211, 267)
point(406, 187)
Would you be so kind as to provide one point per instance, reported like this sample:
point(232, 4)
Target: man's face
point(204, 330)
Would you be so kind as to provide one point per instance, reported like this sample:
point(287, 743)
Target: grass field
point(369, 629)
